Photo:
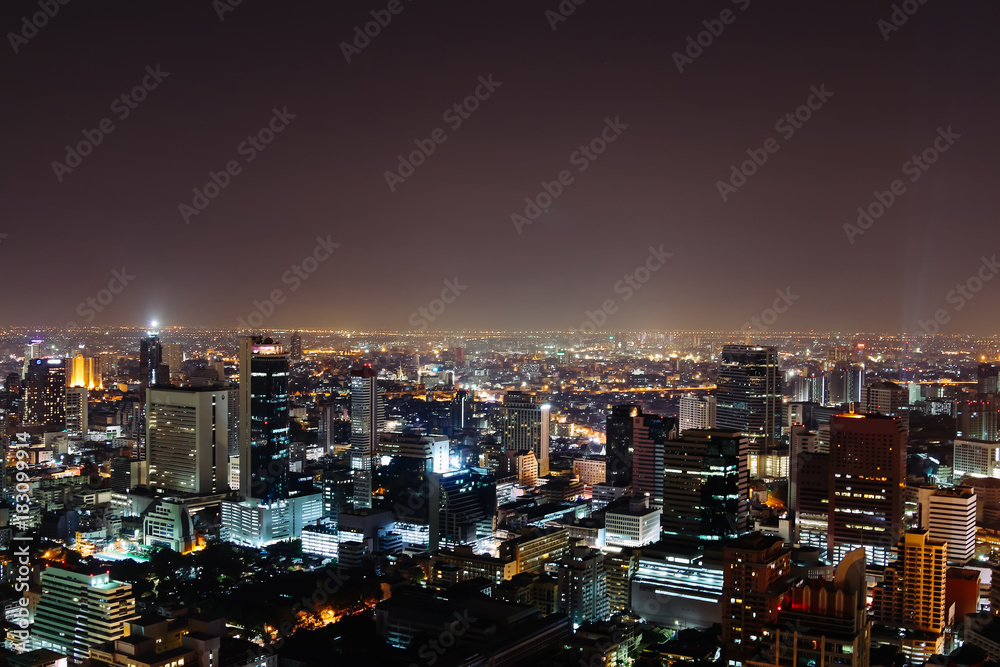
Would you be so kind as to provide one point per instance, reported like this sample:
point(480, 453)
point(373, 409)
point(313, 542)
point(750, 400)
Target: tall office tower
point(83, 371)
point(748, 394)
point(753, 565)
point(987, 379)
point(808, 495)
point(367, 419)
point(696, 412)
point(634, 450)
point(187, 439)
point(583, 586)
point(844, 382)
point(866, 477)
point(978, 416)
point(463, 406)
point(173, 357)
point(78, 610)
point(952, 519)
point(823, 622)
point(295, 348)
point(32, 350)
point(77, 412)
point(523, 425)
point(459, 355)
point(150, 357)
point(45, 394)
point(911, 596)
point(706, 485)
point(649, 438)
point(264, 420)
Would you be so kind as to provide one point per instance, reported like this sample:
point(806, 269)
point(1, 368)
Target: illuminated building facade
point(78, 610)
point(867, 472)
point(696, 411)
point(84, 372)
point(77, 410)
point(264, 420)
point(523, 426)
point(44, 389)
point(367, 419)
point(706, 485)
point(187, 439)
point(911, 596)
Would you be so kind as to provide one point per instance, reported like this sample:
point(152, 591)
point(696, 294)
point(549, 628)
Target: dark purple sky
point(656, 184)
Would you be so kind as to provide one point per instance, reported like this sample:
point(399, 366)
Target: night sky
point(656, 184)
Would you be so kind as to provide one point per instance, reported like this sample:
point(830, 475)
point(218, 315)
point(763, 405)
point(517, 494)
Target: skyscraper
point(866, 476)
point(188, 439)
point(748, 394)
point(523, 425)
point(264, 420)
point(84, 372)
point(150, 357)
point(696, 412)
point(367, 419)
point(77, 411)
point(706, 485)
point(911, 596)
point(295, 348)
point(45, 394)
